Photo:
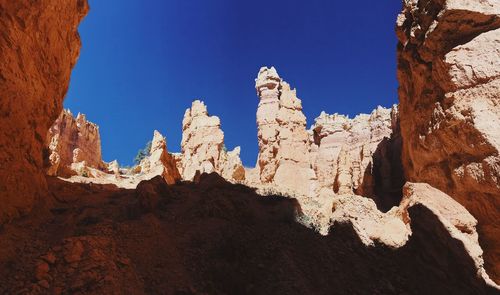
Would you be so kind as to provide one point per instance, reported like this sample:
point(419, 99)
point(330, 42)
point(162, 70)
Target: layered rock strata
point(203, 149)
point(39, 45)
point(449, 76)
point(283, 139)
point(74, 144)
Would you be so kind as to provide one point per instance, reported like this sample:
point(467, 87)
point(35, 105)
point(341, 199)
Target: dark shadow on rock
point(383, 182)
point(215, 237)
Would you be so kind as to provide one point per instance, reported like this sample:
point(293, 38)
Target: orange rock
point(39, 47)
point(449, 77)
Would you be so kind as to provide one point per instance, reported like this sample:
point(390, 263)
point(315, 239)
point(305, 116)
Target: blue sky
point(144, 61)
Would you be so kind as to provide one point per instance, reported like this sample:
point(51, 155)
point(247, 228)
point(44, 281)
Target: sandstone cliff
point(449, 76)
point(39, 45)
point(74, 145)
point(203, 149)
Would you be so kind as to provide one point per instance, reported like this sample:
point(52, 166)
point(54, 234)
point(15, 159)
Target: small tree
point(143, 153)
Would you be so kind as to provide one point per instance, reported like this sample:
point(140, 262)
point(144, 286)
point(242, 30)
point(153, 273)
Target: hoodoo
point(403, 200)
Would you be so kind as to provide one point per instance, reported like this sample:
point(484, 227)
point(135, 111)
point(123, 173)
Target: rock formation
point(283, 139)
point(39, 45)
point(395, 227)
point(203, 148)
point(449, 76)
point(74, 145)
point(341, 155)
point(160, 162)
point(213, 236)
point(359, 156)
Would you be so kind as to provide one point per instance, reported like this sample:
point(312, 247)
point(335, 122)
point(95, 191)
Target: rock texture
point(203, 148)
point(215, 237)
point(394, 228)
point(74, 145)
point(160, 162)
point(449, 76)
point(283, 139)
point(39, 45)
point(340, 155)
point(359, 156)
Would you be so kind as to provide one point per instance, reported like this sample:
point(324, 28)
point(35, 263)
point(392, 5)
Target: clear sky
point(144, 61)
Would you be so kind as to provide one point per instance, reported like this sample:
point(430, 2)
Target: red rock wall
point(449, 76)
point(39, 45)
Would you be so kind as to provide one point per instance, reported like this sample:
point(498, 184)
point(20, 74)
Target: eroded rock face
point(359, 156)
point(283, 139)
point(74, 145)
point(39, 46)
point(394, 228)
point(78, 263)
point(449, 76)
point(203, 148)
point(341, 155)
point(160, 162)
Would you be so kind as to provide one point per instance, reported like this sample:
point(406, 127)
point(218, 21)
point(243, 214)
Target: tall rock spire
point(282, 135)
point(203, 148)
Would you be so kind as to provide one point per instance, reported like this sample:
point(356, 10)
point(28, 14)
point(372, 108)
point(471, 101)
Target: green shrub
point(143, 153)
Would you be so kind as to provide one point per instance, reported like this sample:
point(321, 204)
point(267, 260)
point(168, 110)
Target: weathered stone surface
point(91, 263)
point(394, 228)
point(359, 156)
point(39, 45)
point(346, 156)
point(74, 145)
point(203, 146)
point(449, 76)
point(283, 139)
point(160, 162)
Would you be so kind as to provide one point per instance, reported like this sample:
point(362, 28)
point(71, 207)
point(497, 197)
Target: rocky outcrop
point(160, 162)
point(39, 45)
point(359, 156)
point(283, 139)
point(340, 155)
point(394, 228)
point(449, 76)
point(74, 145)
point(203, 148)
